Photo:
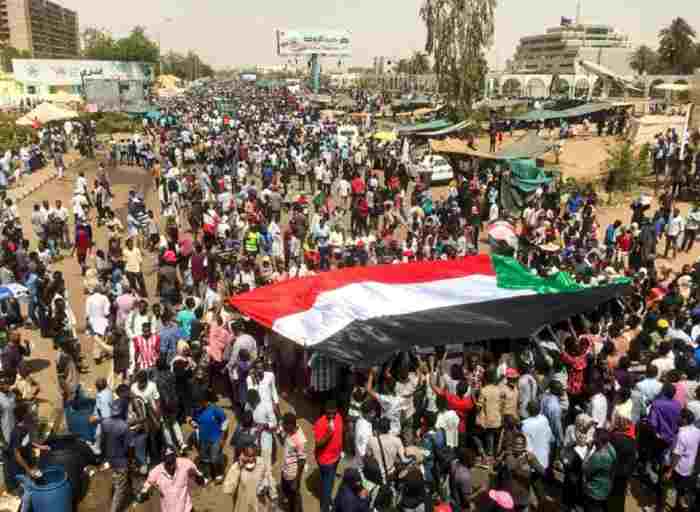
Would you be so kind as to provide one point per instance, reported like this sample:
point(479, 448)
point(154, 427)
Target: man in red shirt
point(461, 403)
point(358, 185)
point(146, 349)
point(328, 435)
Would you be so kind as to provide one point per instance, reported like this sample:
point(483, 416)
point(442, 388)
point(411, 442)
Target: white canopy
point(672, 87)
point(45, 113)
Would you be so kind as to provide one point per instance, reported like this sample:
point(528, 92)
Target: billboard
point(69, 72)
point(117, 95)
point(326, 43)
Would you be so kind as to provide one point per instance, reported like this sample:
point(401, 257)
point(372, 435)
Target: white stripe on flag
point(336, 309)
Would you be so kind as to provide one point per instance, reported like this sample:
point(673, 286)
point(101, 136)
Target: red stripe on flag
point(267, 304)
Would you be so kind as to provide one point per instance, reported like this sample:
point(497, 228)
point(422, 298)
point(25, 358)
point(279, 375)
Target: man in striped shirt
point(146, 350)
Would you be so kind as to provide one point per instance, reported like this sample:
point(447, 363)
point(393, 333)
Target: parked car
point(441, 168)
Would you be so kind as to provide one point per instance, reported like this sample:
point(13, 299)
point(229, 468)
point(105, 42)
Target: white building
point(559, 50)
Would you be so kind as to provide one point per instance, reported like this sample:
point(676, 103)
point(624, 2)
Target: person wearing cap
point(172, 478)
point(511, 393)
point(168, 284)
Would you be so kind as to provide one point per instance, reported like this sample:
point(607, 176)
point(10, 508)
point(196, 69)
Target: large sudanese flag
point(362, 315)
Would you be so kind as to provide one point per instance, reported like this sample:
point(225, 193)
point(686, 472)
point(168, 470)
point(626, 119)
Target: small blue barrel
point(50, 493)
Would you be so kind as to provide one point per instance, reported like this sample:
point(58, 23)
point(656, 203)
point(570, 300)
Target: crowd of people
point(267, 195)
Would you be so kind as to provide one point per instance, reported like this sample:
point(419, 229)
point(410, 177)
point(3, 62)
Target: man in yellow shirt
point(133, 261)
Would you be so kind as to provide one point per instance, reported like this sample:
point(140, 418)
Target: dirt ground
point(583, 156)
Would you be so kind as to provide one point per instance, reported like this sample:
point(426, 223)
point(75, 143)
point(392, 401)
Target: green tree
point(98, 44)
point(419, 64)
point(677, 47)
point(458, 33)
point(625, 167)
point(7, 53)
point(644, 60)
point(138, 47)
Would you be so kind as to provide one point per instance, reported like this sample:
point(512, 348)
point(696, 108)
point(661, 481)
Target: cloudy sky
point(239, 32)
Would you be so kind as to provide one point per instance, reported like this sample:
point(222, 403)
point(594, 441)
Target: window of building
point(123, 87)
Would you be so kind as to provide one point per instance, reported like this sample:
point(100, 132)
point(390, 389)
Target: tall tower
point(579, 20)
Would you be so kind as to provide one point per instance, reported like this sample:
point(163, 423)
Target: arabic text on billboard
point(70, 72)
point(291, 43)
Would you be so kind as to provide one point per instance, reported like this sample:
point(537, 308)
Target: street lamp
point(160, 54)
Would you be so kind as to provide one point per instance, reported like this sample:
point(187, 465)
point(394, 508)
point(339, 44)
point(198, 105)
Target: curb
point(51, 176)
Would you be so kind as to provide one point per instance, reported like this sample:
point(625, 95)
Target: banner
point(326, 43)
point(72, 72)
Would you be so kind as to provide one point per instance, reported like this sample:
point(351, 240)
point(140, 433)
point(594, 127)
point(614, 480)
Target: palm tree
point(676, 46)
point(644, 60)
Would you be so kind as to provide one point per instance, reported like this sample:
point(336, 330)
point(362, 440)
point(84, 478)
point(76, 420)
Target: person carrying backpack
point(438, 455)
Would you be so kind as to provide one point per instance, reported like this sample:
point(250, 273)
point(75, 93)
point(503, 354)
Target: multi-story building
point(45, 28)
point(560, 49)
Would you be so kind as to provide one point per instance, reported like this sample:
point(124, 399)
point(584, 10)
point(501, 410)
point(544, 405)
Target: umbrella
point(13, 290)
point(385, 136)
point(503, 232)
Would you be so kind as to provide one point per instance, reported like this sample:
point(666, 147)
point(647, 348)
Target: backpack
point(443, 455)
point(172, 186)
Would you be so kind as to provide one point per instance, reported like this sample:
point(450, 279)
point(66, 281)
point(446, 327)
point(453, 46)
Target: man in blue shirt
point(118, 443)
point(551, 409)
point(212, 430)
point(169, 334)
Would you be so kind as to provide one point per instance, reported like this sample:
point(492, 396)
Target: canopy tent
point(445, 131)
point(385, 136)
point(608, 74)
point(363, 315)
point(546, 115)
point(451, 146)
point(65, 97)
point(46, 113)
point(672, 87)
point(530, 145)
point(430, 126)
point(526, 176)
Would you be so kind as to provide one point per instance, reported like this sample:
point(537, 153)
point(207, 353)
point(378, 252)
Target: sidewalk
point(38, 179)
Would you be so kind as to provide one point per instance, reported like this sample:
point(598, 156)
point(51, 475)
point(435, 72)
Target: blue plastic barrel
point(78, 413)
point(50, 493)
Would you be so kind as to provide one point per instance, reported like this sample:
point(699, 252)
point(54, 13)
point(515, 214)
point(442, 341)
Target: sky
point(233, 33)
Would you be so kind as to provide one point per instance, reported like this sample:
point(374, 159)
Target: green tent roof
point(445, 131)
point(546, 115)
point(438, 124)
